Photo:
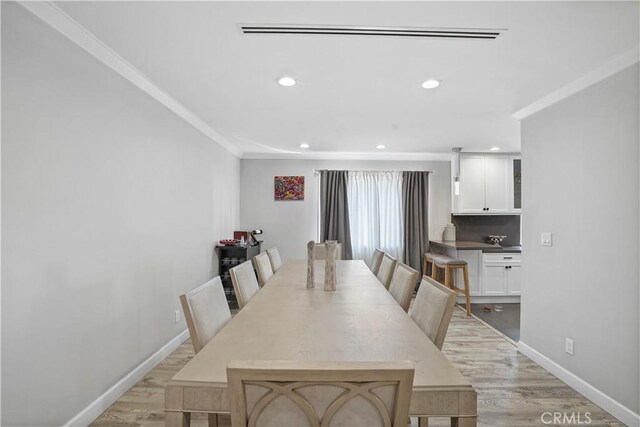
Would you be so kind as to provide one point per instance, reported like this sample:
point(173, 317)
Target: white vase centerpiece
point(330, 266)
point(311, 257)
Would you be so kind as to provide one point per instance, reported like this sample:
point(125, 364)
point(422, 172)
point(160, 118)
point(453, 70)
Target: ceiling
point(353, 93)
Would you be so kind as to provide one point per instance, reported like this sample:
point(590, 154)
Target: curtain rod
point(317, 171)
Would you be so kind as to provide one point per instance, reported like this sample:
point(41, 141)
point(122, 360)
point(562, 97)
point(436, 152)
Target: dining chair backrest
point(245, 284)
point(385, 272)
point(432, 309)
point(337, 394)
point(206, 311)
point(321, 253)
point(262, 265)
point(376, 259)
point(403, 283)
point(274, 258)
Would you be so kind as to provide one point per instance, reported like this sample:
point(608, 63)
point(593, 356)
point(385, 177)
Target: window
point(375, 213)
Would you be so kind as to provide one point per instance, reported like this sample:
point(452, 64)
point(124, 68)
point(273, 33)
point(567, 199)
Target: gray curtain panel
point(334, 210)
point(415, 207)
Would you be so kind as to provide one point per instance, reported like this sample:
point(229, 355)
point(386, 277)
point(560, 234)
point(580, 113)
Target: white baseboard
point(607, 403)
point(478, 299)
point(98, 406)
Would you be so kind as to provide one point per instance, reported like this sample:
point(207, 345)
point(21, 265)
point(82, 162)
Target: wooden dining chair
point(262, 265)
point(403, 284)
point(376, 259)
point(337, 394)
point(385, 272)
point(432, 309)
point(274, 258)
point(321, 253)
point(245, 284)
point(206, 311)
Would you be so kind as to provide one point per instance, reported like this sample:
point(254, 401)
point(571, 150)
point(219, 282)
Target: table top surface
point(360, 321)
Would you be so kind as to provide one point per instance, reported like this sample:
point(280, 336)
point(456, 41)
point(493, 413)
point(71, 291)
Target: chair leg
point(177, 419)
point(465, 273)
point(213, 420)
point(447, 277)
point(464, 422)
point(423, 422)
point(434, 271)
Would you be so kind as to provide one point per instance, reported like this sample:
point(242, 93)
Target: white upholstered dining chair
point(245, 284)
point(321, 253)
point(432, 309)
point(338, 394)
point(263, 268)
point(274, 258)
point(385, 272)
point(403, 282)
point(376, 259)
point(206, 311)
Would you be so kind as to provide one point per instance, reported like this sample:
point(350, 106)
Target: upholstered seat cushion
point(440, 260)
point(430, 255)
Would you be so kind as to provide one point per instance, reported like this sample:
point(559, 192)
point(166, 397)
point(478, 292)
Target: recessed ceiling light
point(286, 81)
point(494, 148)
point(304, 145)
point(431, 84)
point(381, 146)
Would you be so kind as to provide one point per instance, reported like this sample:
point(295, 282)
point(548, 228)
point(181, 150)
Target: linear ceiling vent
point(348, 30)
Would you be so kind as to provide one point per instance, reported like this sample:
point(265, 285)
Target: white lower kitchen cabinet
point(501, 274)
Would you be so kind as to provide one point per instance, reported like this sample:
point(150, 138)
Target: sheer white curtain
point(375, 213)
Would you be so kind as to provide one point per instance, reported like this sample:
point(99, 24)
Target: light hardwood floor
point(512, 390)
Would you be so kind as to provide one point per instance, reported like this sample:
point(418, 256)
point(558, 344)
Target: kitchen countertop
point(462, 245)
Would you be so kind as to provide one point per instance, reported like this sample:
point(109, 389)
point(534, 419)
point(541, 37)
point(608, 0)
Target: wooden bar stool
point(426, 260)
point(450, 266)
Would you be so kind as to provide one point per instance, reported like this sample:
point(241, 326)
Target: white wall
point(580, 162)
point(110, 205)
point(290, 225)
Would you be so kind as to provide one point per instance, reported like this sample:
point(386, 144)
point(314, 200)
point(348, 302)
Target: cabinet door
point(494, 280)
point(472, 187)
point(514, 280)
point(496, 173)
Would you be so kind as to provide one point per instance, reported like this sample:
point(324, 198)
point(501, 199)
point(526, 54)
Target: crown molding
point(615, 65)
point(339, 155)
point(67, 26)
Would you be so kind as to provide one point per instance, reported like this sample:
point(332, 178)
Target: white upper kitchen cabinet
point(487, 184)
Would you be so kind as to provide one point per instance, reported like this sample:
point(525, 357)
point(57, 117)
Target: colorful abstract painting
point(288, 187)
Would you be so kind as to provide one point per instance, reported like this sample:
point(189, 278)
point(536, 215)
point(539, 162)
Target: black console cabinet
point(229, 257)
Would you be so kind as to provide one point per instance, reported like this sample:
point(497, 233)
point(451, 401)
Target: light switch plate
point(546, 239)
point(176, 316)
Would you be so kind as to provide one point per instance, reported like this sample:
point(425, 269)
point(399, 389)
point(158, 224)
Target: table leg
point(213, 420)
point(464, 422)
point(177, 419)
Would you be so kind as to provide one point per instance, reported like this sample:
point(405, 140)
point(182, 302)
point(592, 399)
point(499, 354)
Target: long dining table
point(285, 320)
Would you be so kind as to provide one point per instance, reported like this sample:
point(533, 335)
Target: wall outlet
point(568, 346)
point(177, 316)
point(546, 239)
